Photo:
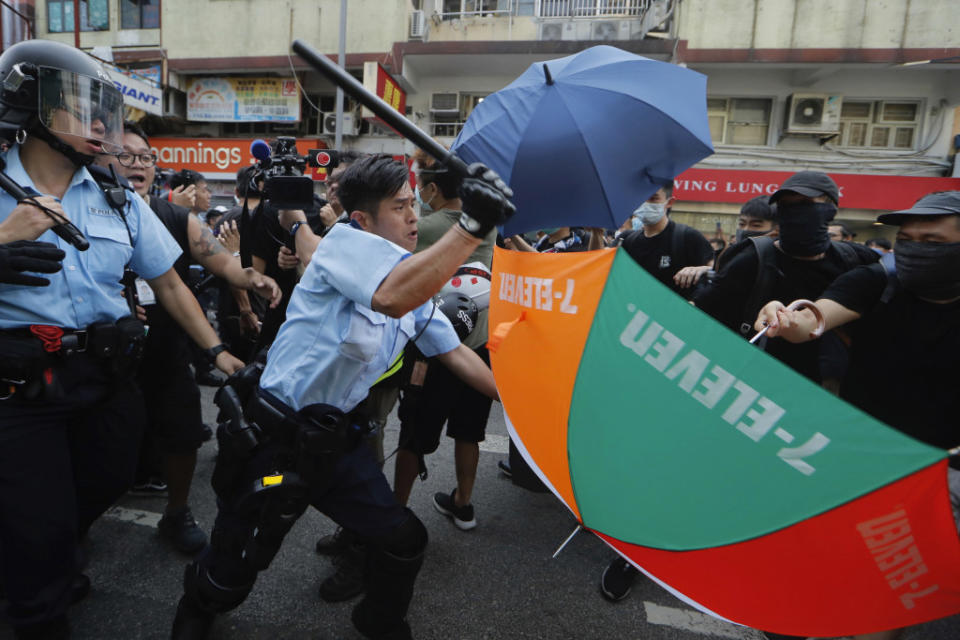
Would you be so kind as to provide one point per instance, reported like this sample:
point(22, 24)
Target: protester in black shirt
point(664, 247)
point(903, 328)
point(801, 263)
point(170, 392)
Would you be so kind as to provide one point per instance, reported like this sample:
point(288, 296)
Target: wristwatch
point(214, 351)
point(295, 226)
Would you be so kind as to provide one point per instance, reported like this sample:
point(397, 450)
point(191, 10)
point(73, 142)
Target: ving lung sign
point(731, 479)
point(857, 190)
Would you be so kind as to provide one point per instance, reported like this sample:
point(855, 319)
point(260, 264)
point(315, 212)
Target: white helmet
point(472, 280)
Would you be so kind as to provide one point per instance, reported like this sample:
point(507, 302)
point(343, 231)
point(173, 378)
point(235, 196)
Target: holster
point(21, 366)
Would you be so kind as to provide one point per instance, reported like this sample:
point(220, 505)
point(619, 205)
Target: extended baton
point(384, 111)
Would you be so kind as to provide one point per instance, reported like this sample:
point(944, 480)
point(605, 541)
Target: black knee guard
point(408, 540)
point(206, 594)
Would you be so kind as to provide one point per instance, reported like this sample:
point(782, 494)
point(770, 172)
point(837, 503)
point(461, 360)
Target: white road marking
point(136, 516)
point(495, 444)
point(697, 622)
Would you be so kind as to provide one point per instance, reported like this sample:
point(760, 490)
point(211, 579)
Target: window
point(139, 14)
point(449, 112)
point(879, 124)
point(94, 15)
point(741, 121)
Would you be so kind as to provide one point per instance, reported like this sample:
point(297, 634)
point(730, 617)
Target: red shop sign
point(857, 190)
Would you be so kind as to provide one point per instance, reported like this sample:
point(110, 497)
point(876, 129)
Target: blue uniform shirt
point(333, 346)
point(87, 289)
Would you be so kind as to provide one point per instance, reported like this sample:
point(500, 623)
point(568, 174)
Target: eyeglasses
point(146, 159)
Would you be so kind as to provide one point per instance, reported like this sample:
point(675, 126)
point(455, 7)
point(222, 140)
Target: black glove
point(23, 255)
point(486, 201)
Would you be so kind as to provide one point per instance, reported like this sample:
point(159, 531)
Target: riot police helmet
point(48, 87)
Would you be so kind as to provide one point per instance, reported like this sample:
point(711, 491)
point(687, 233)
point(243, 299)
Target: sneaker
point(182, 531)
point(152, 486)
point(462, 516)
point(334, 544)
point(347, 581)
point(617, 579)
point(505, 469)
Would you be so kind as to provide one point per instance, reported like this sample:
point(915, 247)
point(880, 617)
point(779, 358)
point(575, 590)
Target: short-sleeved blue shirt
point(333, 346)
point(87, 289)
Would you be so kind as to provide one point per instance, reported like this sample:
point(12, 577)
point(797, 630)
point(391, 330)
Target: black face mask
point(929, 270)
point(743, 234)
point(803, 227)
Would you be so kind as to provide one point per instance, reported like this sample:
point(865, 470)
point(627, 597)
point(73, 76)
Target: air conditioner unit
point(445, 103)
point(351, 124)
point(816, 113)
point(418, 24)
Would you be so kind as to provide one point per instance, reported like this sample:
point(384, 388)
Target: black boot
point(56, 629)
point(191, 622)
point(381, 615)
point(347, 581)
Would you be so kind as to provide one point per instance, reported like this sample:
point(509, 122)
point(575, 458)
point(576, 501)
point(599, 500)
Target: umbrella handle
point(797, 305)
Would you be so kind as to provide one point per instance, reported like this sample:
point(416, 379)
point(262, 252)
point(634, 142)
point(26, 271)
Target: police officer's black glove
point(23, 255)
point(486, 201)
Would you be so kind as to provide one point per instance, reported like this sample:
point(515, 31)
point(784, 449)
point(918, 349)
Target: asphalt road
point(495, 582)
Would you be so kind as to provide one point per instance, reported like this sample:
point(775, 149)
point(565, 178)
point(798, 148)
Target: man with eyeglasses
point(174, 425)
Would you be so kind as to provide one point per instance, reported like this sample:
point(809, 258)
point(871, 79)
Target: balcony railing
point(590, 8)
point(446, 129)
point(450, 9)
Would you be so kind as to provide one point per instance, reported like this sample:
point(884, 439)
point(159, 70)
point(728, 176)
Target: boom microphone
point(65, 229)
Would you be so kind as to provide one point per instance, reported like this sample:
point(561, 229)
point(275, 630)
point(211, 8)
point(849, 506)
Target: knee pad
point(409, 540)
point(207, 594)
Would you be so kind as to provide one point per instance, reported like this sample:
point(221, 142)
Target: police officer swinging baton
point(388, 114)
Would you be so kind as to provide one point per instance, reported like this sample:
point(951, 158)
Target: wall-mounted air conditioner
point(816, 113)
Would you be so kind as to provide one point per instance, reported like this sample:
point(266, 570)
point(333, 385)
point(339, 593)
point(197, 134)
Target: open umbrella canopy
point(712, 466)
point(583, 140)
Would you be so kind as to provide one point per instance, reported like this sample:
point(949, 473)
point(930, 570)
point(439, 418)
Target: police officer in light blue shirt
point(362, 297)
point(70, 419)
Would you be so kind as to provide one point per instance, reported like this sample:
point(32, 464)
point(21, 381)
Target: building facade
point(865, 90)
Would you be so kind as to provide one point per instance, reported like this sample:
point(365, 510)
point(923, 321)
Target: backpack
point(768, 275)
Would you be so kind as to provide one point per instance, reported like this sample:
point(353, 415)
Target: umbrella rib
point(593, 161)
point(620, 93)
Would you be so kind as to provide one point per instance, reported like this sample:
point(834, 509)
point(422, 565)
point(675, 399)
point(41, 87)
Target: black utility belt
point(101, 339)
point(31, 354)
point(315, 430)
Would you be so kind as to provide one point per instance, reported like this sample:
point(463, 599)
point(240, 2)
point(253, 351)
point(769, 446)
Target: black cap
point(811, 184)
point(944, 203)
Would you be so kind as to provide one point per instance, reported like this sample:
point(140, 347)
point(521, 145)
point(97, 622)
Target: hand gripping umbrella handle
point(796, 305)
point(384, 111)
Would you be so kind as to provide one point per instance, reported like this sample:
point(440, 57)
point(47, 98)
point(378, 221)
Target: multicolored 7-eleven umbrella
point(730, 479)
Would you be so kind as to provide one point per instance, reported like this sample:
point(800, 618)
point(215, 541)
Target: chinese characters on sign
point(215, 99)
point(377, 80)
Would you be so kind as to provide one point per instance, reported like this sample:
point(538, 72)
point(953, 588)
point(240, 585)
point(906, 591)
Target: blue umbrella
point(583, 140)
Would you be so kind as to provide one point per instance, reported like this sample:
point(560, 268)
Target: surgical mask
point(425, 208)
point(803, 227)
point(636, 223)
point(743, 234)
point(651, 212)
point(928, 269)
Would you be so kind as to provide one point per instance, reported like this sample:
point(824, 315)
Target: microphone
point(260, 150)
point(65, 230)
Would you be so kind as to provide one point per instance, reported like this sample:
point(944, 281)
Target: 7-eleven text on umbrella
point(536, 293)
point(753, 414)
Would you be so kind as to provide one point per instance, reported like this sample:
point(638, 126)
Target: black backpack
point(768, 274)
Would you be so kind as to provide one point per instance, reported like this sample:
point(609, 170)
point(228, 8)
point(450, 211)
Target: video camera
point(282, 168)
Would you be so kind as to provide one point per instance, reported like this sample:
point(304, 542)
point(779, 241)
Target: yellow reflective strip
point(397, 364)
point(269, 481)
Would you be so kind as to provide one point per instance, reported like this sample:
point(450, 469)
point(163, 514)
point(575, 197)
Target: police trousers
point(62, 464)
